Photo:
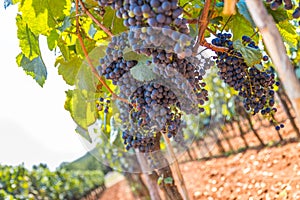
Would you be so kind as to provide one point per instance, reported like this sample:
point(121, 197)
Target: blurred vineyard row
point(41, 183)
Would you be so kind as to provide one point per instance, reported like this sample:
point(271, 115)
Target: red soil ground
point(268, 173)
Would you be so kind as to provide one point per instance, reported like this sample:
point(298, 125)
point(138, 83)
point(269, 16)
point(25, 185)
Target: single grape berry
point(281, 125)
point(265, 58)
point(246, 38)
point(296, 13)
point(277, 128)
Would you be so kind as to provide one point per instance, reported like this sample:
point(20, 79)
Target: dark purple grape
point(166, 5)
point(265, 58)
point(155, 3)
point(160, 18)
point(296, 13)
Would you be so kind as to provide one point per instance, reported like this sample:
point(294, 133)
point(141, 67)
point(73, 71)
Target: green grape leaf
point(69, 69)
point(28, 41)
point(240, 26)
point(35, 68)
point(85, 79)
point(131, 55)
point(288, 33)
point(251, 56)
point(142, 72)
point(243, 10)
point(88, 43)
point(279, 15)
point(35, 14)
point(113, 130)
point(52, 39)
point(91, 3)
point(168, 180)
point(43, 15)
point(259, 67)
point(63, 47)
point(82, 107)
point(84, 133)
point(110, 20)
point(58, 9)
point(216, 20)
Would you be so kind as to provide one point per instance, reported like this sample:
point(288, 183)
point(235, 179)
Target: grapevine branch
point(214, 47)
point(193, 21)
point(93, 69)
point(203, 23)
point(106, 30)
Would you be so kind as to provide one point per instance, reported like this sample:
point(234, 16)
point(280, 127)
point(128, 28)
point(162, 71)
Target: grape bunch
point(296, 13)
point(254, 86)
point(113, 66)
point(185, 75)
point(141, 142)
point(288, 5)
point(154, 109)
point(153, 13)
point(172, 59)
point(147, 39)
point(103, 105)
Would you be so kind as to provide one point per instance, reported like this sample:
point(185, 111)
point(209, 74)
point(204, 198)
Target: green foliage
point(243, 10)
point(85, 163)
point(83, 110)
point(169, 180)
point(41, 183)
point(35, 68)
point(142, 72)
point(160, 180)
point(252, 56)
point(69, 68)
point(55, 19)
point(288, 33)
point(240, 26)
point(278, 15)
point(29, 42)
point(110, 20)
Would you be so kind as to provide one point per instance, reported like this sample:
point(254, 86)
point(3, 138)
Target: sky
point(34, 126)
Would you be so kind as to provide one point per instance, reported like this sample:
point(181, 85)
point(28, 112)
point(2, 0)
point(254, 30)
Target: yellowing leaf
point(240, 26)
point(81, 108)
point(288, 33)
point(28, 41)
point(35, 13)
point(52, 39)
point(69, 69)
